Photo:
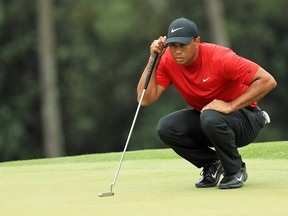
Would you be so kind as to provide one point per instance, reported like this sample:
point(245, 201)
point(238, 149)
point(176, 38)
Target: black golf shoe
point(234, 180)
point(210, 175)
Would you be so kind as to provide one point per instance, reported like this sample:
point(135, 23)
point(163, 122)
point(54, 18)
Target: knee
point(210, 120)
point(163, 127)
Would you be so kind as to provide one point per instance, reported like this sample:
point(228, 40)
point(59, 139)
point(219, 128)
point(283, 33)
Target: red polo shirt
point(217, 73)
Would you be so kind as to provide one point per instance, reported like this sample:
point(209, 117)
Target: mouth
point(179, 59)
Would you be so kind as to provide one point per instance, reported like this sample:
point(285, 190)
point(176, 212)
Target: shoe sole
point(206, 186)
point(226, 186)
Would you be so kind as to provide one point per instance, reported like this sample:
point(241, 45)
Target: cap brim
point(181, 40)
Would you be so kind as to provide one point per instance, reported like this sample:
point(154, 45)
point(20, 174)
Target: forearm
point(254, 93)
point(257, 90)
point(261, 84)
point(151, 91)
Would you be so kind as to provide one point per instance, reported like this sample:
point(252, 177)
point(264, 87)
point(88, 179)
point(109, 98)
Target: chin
point(180, 62)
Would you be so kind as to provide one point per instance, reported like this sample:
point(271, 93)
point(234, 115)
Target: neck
point(194, 56)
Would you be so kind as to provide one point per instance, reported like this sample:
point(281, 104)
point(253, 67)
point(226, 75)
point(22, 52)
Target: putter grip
point(150, 70)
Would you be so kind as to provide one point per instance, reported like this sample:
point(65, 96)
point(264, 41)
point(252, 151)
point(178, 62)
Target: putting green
point(154, 182)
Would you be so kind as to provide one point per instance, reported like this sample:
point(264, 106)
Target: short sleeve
point(162, 77)
point(237, 68)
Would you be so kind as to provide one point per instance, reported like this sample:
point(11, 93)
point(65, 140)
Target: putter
point(110, 193)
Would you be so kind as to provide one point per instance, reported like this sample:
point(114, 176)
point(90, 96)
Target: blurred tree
point(259, 36)
point(101, 48)
point(51, 118)
point(20, 134)
point(216, 17)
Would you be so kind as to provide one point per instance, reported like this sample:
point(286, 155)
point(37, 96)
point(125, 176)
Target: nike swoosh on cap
point(174, 30)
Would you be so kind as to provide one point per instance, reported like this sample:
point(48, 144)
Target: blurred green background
point(69, 69)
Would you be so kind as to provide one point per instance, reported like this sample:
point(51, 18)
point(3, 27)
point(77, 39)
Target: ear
point(197, 40)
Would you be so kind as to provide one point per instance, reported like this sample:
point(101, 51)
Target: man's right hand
point(158, 46)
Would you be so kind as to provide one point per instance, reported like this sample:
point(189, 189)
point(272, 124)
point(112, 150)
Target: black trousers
point(191, 135)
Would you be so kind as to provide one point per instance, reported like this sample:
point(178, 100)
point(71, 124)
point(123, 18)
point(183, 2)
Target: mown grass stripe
point(265, 150)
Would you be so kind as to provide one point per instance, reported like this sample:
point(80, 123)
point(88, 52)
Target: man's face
point(185, 54)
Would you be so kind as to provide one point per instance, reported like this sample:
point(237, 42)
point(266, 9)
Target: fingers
point(158, 45)
point(218, 105)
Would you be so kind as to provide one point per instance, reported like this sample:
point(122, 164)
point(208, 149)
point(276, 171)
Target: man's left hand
point(218, 105)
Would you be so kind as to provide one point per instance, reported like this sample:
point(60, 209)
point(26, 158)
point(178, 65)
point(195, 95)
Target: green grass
point(151, 182)
point(266, 150)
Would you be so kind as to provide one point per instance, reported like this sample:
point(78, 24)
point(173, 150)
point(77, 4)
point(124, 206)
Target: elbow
point(268, 81)
point(144, 102)
point(272, 83)
point(147, 98)
point(275, 83)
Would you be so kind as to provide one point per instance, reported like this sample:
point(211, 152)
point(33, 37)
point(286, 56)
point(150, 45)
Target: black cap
point(181, 31)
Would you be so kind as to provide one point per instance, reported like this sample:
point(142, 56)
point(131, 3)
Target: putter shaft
point(150, 70)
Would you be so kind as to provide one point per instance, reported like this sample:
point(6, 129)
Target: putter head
point(106, 194)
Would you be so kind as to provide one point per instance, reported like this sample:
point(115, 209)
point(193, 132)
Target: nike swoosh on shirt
point(205, 80)
point(174, 30)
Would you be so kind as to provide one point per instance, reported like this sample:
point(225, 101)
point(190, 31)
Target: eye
point(176, 45)
point(173, 45)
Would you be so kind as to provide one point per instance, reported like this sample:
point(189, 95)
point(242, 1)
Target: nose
point(178, 50)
